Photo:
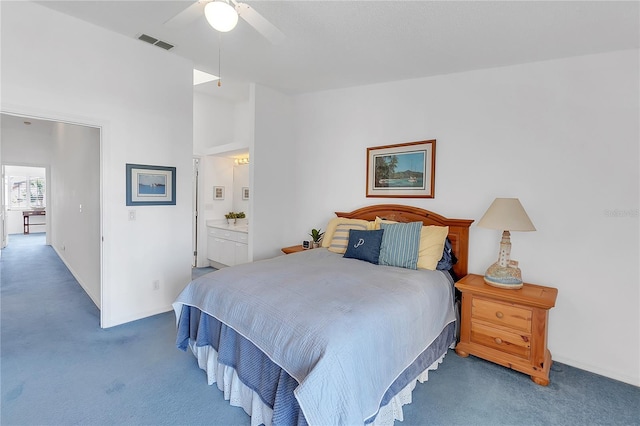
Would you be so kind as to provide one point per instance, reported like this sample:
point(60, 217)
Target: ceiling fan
point(223, 16)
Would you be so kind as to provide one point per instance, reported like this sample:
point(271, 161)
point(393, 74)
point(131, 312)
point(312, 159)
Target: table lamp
point(506, 214)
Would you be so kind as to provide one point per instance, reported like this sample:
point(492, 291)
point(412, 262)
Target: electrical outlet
point(132, 215)
point(156, 284)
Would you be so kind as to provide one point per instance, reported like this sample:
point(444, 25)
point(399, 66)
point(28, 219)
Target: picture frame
point(245, 193)
point(218, 192)
point(150, 185)
point(405, 170)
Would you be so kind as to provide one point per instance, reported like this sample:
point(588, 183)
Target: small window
point(27, 192)
point(36, 192)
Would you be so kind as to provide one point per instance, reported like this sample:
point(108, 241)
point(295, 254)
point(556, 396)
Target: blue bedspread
point(270, 382)
point(254, 369)
point(345, 330)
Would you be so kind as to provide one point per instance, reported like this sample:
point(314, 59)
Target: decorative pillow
point(448, 258)
point(341, 235)
point(364, 245)
point(333, 223)
point(432, 239)
point(379, 221)
point(400, 244)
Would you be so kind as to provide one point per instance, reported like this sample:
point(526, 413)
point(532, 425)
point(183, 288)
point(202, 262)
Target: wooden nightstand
point(292, 249)
point(508, 327)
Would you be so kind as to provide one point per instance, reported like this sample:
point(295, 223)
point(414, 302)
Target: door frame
point(5, 207)
point(102, 126)
point(195, 210)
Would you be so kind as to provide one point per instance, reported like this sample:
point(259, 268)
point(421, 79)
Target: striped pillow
point(341, 236)
point(400, 244)
point(333, 223)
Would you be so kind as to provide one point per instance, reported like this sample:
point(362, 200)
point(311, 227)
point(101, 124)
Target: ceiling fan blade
point(259, 23)
point(188, 15)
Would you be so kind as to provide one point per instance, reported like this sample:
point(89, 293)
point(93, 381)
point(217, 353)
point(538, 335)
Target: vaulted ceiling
point(336, 44)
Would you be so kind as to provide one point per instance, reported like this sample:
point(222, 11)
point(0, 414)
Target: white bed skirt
point(240, 395)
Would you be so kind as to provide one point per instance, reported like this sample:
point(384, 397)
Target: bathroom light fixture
point(242, 161)
point(506, 214)
point(221, 15)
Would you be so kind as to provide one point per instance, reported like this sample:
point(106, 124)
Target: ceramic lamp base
point(504, 277)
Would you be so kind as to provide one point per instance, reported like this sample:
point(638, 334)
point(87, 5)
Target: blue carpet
point(198, 272)
point(59, 368)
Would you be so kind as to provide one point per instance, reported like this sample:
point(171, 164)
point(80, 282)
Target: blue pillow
point(448, 258)
point(364, 245)
point(400, 244)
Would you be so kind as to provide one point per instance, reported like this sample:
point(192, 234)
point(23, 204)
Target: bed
point(319, 338)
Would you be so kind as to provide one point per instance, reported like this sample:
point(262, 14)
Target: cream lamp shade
point(506, 214)
point(221, 15)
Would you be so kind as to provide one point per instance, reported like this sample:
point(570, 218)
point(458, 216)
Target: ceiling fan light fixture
point(221, 15)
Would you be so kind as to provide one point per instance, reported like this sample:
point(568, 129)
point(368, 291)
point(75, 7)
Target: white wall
point(218, 122)
point(244, 122)
point(74, 209)
point(240, 180)
point(560, 135)
point(213, 122)
point(26, 145)
point(58, 67)
point(272, 176)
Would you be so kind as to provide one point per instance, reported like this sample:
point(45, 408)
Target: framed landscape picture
point(150, 185)
point(405, 170)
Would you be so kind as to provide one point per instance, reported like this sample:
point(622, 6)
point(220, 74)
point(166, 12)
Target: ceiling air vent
point(155, 41)
point(164, 45)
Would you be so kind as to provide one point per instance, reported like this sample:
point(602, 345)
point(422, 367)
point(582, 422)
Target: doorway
point(71, 155)
point(24, 209)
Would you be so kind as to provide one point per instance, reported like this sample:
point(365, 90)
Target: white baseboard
point(600, 370)
point(137, 316)
point(94, 298)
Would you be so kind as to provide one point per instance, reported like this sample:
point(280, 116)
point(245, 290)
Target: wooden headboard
point(458, 228)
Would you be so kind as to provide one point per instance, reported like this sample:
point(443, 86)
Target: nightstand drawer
point(504, 341)
point(503, 314)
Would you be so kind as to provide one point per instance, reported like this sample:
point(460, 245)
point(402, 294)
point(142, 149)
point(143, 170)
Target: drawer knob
point(498, 340)
point(499, 314)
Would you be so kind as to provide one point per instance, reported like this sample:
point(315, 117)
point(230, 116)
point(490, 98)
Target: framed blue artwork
point(150, 185)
